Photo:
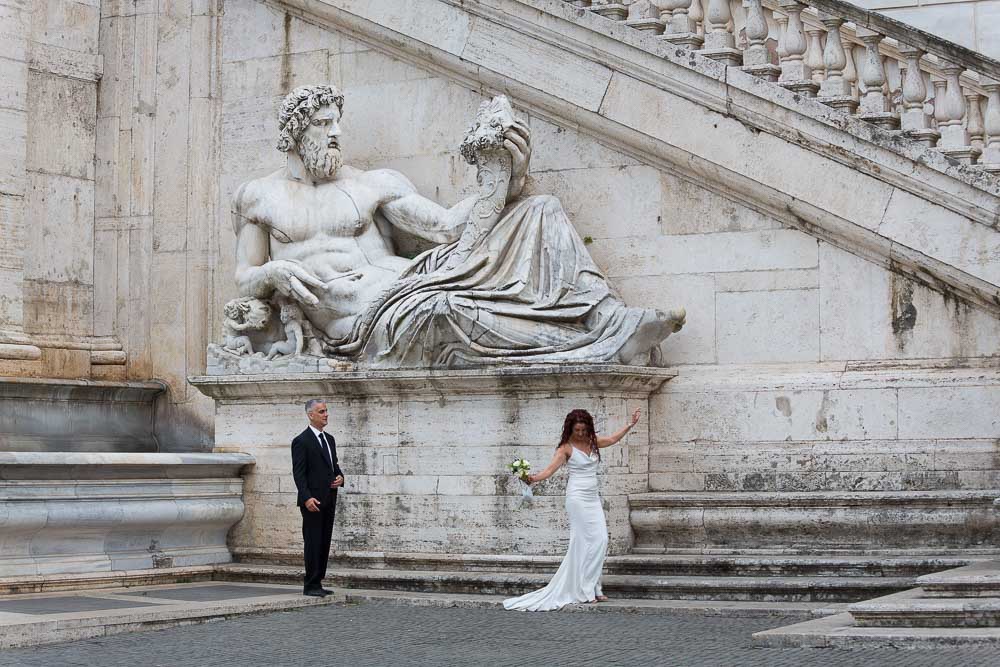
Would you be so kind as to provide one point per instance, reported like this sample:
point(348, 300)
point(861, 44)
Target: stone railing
point(882, 71)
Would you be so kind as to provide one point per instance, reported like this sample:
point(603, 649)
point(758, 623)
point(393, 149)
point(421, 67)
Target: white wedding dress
point(579, 576)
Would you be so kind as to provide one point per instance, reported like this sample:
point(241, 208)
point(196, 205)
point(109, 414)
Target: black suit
point(313, 474)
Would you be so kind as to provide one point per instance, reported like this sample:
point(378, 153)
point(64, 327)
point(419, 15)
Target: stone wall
point(803, 366)
point(157, 150)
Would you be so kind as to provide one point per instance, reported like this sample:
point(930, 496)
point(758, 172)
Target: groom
point(317, 478)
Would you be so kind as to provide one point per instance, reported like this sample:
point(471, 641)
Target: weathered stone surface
point(425, 454)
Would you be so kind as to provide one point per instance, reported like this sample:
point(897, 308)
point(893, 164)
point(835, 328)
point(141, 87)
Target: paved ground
point(366, 634)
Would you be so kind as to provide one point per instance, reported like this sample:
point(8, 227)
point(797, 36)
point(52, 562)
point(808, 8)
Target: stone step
point(52, 583)
point(839, 631)
point(980, 579)
point(662, 565)
point(673, 607)
point(798, 589)
point(921, 612)
point(814, 521)
point(45, 618)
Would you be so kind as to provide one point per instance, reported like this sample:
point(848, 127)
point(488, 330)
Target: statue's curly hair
point(297, 109)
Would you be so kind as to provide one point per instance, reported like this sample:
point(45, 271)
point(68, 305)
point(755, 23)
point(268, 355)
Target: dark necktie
point(326, 448)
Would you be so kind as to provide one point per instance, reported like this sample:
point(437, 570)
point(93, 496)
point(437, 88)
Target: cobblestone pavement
point(366, 634)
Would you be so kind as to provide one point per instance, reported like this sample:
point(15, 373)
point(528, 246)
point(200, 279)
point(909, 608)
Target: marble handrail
point(887, 73)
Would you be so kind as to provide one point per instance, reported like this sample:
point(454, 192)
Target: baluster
point(698, 16)
point(875, 103)
point(974, 119)
point(719, 42)
point(954, 135)
point(939, 114)
point(756, 59)
point(782, 21)
point(914, 121)
point(615, 11)
point(814, 53)
point(795, 74)
point(990, 160)
point(850, 71)
point(681, 29)
point(835, 91)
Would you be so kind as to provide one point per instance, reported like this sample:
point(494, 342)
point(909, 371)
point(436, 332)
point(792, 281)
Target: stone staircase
point(957, 606)
point(771, 581)
point(815, 53)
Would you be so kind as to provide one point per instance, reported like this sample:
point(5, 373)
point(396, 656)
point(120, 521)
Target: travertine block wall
point(157, 172)
point(767, 305)
point(425, 458)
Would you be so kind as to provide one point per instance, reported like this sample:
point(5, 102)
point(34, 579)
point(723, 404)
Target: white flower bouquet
point(520, 468)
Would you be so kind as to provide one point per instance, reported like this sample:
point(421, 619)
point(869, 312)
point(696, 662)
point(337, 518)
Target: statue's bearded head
point(309, 123)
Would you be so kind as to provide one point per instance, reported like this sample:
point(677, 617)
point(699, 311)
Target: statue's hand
point(292, 280)
point(517, 141)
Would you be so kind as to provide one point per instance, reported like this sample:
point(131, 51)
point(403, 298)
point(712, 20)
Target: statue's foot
point(653, 329)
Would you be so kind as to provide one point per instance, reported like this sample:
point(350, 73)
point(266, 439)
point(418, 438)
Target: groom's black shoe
point(318, 593)
point(327, 591)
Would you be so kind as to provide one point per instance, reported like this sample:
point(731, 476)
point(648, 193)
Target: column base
point(804, 87)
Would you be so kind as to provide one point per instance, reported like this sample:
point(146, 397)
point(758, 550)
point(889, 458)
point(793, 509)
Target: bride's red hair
point(580, 417)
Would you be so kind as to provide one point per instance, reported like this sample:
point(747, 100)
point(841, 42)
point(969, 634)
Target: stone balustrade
point(859, 62)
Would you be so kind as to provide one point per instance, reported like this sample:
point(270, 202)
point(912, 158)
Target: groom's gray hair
point(312, 403)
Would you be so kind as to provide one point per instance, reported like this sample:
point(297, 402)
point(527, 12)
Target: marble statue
point(509, 279)
point(291, 317)
point(243, 315)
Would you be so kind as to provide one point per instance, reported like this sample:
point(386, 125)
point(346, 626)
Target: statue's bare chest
point(303, 212)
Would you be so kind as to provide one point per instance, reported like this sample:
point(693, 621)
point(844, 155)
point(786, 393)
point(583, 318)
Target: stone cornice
point(548, 379)
point(456, 39)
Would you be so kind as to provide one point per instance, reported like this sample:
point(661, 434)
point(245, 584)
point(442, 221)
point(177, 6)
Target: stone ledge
point(98, 391)
point(539, 378)
point(813, 499)
point(825, 375)
point(974, 580)
point(110, 466)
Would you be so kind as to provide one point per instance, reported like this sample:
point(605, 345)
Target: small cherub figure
point(292, 317)
point(243, 314)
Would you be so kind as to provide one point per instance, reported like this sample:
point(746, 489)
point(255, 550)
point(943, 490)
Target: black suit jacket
point(310, 469)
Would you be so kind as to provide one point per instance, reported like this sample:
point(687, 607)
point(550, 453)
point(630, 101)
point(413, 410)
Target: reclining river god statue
point(509, 280)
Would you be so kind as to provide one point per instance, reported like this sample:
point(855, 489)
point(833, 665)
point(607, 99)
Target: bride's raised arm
point(562, 455)
point(610, 440)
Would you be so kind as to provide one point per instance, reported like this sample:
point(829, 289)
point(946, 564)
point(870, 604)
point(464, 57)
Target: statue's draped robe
point(529, 292)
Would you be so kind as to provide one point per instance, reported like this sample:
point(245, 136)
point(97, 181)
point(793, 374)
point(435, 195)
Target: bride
point(579, 576)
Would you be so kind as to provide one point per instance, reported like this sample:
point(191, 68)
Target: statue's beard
point(322, 162)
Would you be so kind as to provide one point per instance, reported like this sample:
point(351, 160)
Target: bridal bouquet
point(520, 468)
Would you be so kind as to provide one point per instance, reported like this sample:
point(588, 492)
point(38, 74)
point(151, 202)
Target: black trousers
point(317, 530)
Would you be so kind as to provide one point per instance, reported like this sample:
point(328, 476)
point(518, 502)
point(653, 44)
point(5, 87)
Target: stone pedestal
point(425, 454)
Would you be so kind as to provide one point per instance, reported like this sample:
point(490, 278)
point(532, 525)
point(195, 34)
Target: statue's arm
point(251, 256)
point(256, 274)
point(404, 208)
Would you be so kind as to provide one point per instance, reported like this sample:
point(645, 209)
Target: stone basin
point(72, 512)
